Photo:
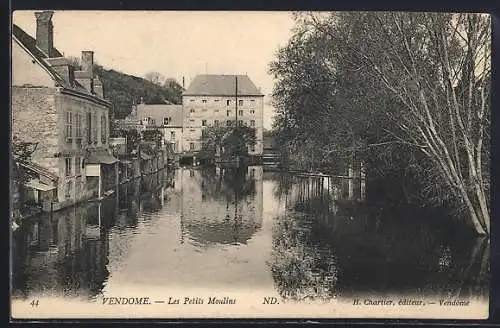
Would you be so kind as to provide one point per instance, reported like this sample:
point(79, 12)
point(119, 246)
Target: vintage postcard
point(184, 164)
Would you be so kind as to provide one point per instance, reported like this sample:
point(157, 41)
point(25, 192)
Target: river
point(290, 237)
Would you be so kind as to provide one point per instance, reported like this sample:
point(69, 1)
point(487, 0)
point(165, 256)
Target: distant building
point(63, 110)
point(212, 100)
point(167, 118)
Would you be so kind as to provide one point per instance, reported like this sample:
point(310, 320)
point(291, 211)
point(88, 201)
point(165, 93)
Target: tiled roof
point(39, 170)
point(158, 112)
point(222, 85)
point(30, 44)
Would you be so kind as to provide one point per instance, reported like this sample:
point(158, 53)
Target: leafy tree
point(397, 89)
point(153, 135)
point(22, 152)
point(132, 136)
point(124, 90)
point(226, 142)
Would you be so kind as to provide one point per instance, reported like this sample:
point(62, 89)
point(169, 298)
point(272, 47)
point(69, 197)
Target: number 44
point(34, 303)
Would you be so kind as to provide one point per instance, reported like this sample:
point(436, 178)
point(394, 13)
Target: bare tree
point(417, 80)
point(154, 77)
point(438, 67)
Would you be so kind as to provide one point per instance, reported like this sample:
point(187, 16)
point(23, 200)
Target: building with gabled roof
point(167, 118)
point(221, 85)
point(222, 100)
point(63, 110)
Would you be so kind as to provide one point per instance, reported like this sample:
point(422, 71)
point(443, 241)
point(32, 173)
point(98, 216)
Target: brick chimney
point(62, 66)
point(86, 76)
point(44, 32)
point(88, 62)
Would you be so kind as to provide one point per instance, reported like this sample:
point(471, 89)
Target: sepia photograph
point(250, 164)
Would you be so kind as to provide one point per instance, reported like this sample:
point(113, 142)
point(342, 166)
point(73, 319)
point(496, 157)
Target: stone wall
point(35, 119)
point(39, 115)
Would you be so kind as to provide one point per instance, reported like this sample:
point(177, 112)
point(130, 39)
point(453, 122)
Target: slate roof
point(30, 44)
point(221, 85)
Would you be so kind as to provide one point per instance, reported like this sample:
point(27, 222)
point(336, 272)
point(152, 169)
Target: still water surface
point(299, 238)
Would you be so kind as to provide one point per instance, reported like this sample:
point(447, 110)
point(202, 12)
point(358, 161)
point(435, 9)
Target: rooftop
point(158, 112)
point(222, 85)
point(29, 43)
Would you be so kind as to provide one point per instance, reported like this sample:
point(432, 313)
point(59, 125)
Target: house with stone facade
point(169, 119)
point(63, 110)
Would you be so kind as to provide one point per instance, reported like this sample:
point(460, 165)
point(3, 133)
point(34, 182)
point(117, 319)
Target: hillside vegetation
point(123, 89)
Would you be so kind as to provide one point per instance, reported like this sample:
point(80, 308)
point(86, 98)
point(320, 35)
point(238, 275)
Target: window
point(203, 122)
point(192, 110)
point(192, 130)
point(191, 122)
point(240, 102)
point(191, 100)
point(191, 146)
point(166, 120)
point(228, 113)
point(94, 128)
point(78, 165)
point(252, 101)
point(78, 127)
point(252, 111)
point(252, 123)
point(228, 102)
point(153, 121)
point(68, 189)
point(67, 165)
point(228, 123)
point(204, 101)
point(69, 127)
point(172, 135)
point(216, 100)
point(103, 129)
point(240, 122)
point(240, 112)
point(89, 128)
point(216, 123)
point(252, 148)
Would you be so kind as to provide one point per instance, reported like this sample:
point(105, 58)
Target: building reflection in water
point(66, 253)
point(218, 205)
point(62, 254)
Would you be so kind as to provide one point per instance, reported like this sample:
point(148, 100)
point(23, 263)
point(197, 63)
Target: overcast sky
point(176, 44)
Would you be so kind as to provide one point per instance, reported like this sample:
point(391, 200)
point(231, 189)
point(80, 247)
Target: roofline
point(35, 58)
point(86, 96)
point(223, 95)
point(63, 89)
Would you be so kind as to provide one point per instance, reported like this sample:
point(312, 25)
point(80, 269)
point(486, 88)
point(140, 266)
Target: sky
point(175, 44)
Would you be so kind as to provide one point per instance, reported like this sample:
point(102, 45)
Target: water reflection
point(325, 246)
point(62, 254)
point(220, 206)
point(302, 237)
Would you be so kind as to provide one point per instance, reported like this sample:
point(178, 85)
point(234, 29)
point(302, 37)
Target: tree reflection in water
point(301, 270)
point(321, 251)
point(219, 183)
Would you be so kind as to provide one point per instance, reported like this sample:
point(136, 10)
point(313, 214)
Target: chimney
point(44, 32)
point(88, 62)
point(183, 83)
point(63, 68)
